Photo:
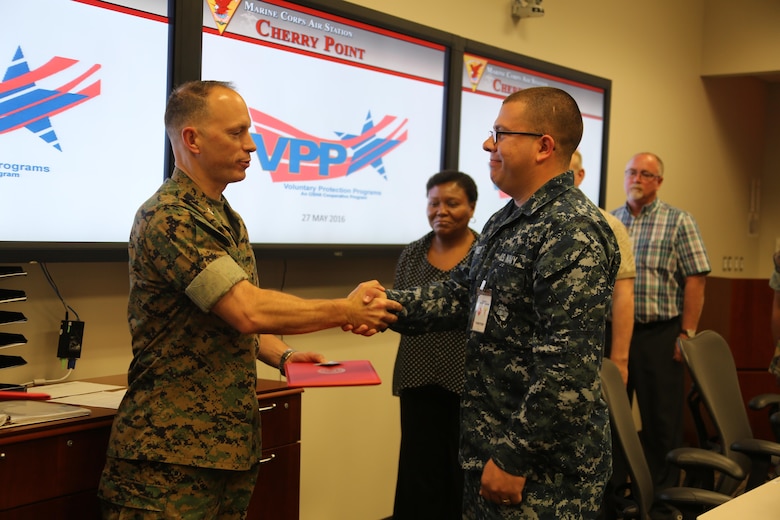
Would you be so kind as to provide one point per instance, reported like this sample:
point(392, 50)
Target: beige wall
point(715, 135)
point(741, 37)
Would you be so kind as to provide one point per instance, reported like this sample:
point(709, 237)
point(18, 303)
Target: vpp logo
point(25, 105)
point(291, 155)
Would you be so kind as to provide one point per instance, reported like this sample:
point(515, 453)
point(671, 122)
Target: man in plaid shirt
point(671, 264)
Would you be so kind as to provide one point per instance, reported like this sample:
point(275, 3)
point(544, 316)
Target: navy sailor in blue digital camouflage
point(535, 439)
point(186, 438)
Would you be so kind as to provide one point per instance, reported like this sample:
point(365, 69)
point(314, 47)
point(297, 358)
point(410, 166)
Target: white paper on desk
point(72, 388)
point(110, 399)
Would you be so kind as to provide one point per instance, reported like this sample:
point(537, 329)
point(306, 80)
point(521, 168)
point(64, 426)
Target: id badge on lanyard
point(481, 309)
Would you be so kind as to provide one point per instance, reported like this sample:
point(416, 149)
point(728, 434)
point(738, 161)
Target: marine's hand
point(368, 290)
point(501, 487)
point(307, 357)
point(370, 311)
point(372, 290)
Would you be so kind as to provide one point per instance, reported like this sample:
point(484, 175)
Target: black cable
point(57, 292)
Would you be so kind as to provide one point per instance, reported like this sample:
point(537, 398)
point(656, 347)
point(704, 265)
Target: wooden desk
point(51, 470)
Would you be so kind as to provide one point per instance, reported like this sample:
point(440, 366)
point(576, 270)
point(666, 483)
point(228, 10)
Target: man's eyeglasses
point(495, 133)
point(646, 175)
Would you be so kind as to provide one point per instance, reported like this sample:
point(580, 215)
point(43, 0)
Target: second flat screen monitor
point(485, 84)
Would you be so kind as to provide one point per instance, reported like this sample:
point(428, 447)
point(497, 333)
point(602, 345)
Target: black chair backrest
point(714, 374)
point(622, 423)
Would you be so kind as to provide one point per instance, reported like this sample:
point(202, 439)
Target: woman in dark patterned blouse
point(428, 375)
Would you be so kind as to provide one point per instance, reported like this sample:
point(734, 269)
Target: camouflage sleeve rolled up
point(191, 384)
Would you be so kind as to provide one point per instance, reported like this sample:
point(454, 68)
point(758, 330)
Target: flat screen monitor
point(487, 80)
point(348, 118)
point(81, 101)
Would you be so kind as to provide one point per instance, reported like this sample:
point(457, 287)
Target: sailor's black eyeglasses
point(495, 133)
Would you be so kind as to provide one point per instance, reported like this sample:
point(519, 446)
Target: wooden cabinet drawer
point(80, 506)
point(52, 470)
point(277, 493)
point(281, 419)
point(48, 467)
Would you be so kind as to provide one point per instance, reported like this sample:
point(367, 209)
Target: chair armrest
point(761, 401)
point(760, 453)
point(687, 496)
point(756, 447)
point(691, 459)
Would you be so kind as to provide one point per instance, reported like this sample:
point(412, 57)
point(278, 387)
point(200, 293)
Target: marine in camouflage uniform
point(191, 397)
point(532, 399)
point(186, 438)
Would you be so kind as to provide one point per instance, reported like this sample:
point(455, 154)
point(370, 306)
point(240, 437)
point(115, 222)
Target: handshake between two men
point(370, 311)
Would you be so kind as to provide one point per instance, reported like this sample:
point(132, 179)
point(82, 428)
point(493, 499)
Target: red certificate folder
point(344, 373)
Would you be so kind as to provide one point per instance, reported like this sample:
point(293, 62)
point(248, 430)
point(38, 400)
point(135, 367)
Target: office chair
point(770, 402)
point(716, 389)
point(687, 501)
